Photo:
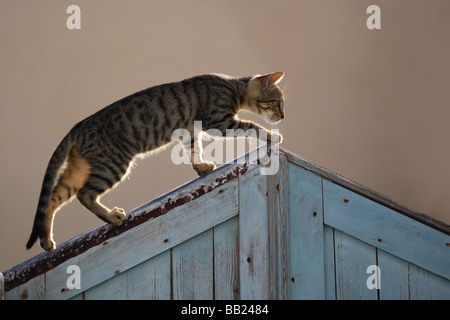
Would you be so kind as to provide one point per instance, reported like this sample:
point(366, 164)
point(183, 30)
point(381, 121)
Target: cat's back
point(171, 105)
point(215, 88)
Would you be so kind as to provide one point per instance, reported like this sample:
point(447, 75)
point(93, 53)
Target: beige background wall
point(370, 105)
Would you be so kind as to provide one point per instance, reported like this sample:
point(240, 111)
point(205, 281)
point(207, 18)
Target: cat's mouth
point(275, 119)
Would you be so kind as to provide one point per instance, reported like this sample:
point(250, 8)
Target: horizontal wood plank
point(366, 192)
point(384, 228)
point(145, 241)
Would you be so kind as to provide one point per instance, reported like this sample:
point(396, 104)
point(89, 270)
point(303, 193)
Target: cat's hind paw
point(48, 244)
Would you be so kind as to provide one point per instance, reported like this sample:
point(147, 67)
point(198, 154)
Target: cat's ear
point(271, 79)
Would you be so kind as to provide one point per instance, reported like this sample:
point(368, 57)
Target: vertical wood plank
point(425, 285)
point(278, 231)
point(401, 280)
point(395, 276)
point(330, 279)
point(306, 239)
point(352, 259)
point(112, 289)
point(150, 280)
point(253, 236)
point(192, 265)
point(226, 260)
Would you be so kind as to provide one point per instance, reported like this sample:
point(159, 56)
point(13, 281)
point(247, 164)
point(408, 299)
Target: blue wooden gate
point(303, 233)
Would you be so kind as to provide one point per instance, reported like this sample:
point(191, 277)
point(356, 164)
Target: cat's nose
point(282, 115)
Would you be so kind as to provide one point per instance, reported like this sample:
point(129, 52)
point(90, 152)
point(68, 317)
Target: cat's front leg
point(194, 149)
point(274, 137)
point(241, 128)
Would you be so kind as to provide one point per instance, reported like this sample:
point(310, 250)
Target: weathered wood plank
point(384, 228)
point(33, 289)
point(366, 192)
point(329, 264)
point(226, 260)
point(79, 296)
point(192, 265)
point(150, 280)
point(278, 231)
point(395, 276)
point(352, 258)
point(306, 239)
point(146, 240)
point(425, 285)
point(401, 280)
point(112, 289)
point(253, 236)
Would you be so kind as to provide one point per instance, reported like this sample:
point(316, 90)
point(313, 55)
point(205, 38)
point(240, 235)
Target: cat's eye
point(280, 105)
point(268, 104)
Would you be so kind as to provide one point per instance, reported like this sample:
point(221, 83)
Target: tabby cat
point(96, 154)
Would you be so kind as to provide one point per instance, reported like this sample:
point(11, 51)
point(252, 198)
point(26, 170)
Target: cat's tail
point(54, 170)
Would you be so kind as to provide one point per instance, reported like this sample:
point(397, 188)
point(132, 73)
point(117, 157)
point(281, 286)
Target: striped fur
point(97, 153)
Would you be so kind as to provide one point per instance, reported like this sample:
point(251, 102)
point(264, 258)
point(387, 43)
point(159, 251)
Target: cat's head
point(265, 97)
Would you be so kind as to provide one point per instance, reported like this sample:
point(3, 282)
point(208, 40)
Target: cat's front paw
point(204, 168)
point(117, 216)
point(274, 137)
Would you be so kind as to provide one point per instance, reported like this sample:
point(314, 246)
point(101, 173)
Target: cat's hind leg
point(194, 150)
point(89, 196)
point(71, 180)
point(90, 199)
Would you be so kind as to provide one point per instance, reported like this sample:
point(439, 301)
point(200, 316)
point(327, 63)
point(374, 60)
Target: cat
point(97, 152)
